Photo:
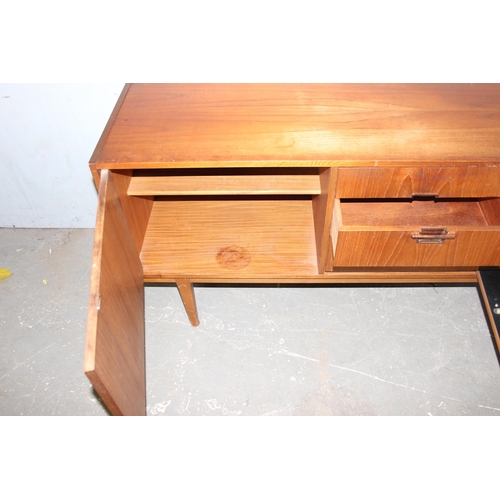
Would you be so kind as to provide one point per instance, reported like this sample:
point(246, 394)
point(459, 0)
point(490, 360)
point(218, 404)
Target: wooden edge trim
point(96, 175)
point(104, 395)
point(323, 213)
point(343, 278)
point(95, 276)
point(109, 124)
point(304, 163)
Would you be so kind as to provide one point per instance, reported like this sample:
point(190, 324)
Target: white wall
point(47, 135)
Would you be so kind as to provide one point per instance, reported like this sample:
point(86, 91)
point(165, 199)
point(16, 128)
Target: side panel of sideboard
point(115, 344)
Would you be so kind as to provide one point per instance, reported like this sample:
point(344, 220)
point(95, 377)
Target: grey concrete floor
point(259, 350)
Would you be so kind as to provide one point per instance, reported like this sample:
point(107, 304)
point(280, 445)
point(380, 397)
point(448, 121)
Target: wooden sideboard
point(285, 183)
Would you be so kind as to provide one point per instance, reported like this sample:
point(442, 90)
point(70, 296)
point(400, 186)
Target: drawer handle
point(424, 196)
point(433, 235)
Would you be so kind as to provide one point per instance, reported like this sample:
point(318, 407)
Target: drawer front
point(393, 248)
point(407, 182)
point(462, 233)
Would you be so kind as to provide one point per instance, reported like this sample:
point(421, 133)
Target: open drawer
point(447, 233)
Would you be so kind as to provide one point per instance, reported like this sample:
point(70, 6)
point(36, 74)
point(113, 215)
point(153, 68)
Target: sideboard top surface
point(193, 125)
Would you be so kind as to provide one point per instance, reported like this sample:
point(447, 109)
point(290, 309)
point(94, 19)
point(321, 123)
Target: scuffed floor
point(258, 350)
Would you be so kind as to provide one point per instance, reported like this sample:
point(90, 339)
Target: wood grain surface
point(283, 183)
point(160, 125)
point(264, 184)
point(405, 182)
point(230, 238)
point(115, 344)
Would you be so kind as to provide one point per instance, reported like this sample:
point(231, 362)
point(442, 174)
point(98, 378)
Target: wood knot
point(233, 257)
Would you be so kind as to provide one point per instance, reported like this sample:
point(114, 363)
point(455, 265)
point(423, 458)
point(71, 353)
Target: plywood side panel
point(137, 209)
point(491, 210)
point(322, 212)
point(115, 350)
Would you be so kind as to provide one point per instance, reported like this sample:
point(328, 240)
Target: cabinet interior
point(248, 222)
point(231, 221)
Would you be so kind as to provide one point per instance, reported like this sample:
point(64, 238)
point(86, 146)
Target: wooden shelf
point(230, 239)
point(222, 184)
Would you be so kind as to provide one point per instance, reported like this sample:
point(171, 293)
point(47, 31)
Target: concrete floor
point(258, 350)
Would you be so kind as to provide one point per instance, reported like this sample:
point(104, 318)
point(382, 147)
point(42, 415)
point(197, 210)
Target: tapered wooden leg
point(186, 290)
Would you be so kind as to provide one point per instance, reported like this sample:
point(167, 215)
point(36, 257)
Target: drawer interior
point(448, 233)
point(406, 212)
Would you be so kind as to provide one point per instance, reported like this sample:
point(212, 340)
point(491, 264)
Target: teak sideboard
point(285, 183)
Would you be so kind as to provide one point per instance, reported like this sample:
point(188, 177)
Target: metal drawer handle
point(433, 235)
point(424, 196)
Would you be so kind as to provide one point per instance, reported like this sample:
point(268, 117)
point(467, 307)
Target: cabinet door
point(115, 345)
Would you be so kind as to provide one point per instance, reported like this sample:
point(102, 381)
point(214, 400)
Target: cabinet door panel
point(115, 345)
